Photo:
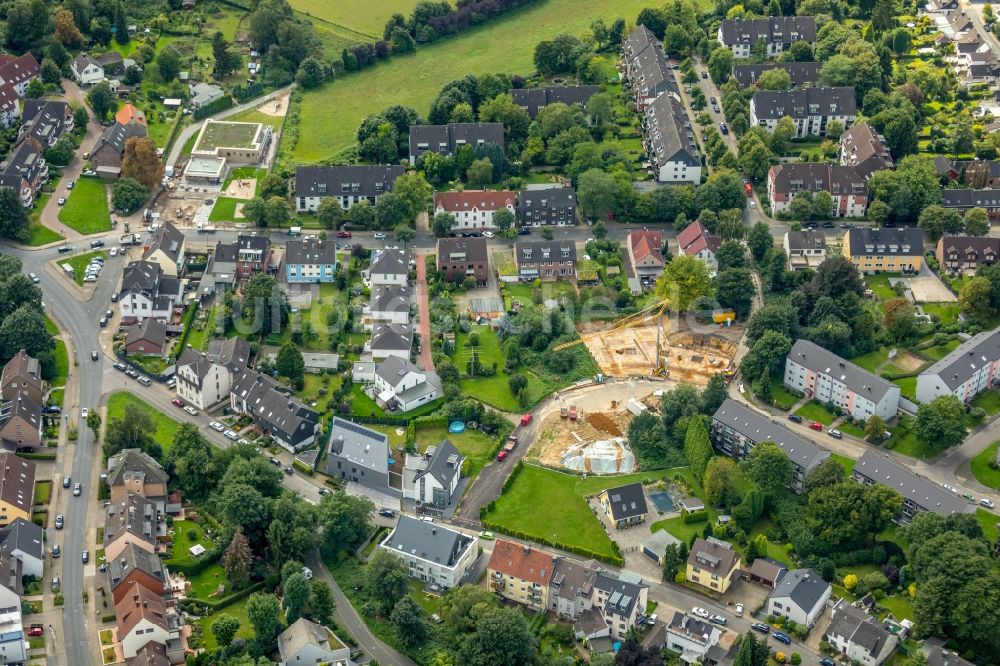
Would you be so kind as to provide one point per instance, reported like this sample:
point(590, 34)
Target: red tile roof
point(469, 199)
point(139, 603)
point(16, 71)
point(695, 237)
point(128, 114)
point(645, 243)
point(522, 562)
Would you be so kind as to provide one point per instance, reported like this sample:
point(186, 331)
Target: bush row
point(193, 605)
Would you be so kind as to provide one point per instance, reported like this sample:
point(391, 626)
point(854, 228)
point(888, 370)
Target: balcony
point(496, 585)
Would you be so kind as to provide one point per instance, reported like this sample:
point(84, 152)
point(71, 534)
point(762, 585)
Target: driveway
point(426, 360)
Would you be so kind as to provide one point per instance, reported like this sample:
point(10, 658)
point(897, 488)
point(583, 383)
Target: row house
point(801, 73)
point(819, 374)
point(545, 260)
point(534, 99)
point(21, 400)
point(253, 256)
point(389, 268)
point(736, 429)
point(147, 292)
point(845, 184)
point(388, 304)
point(462, 258)
point(885, 250)
point(133, 520)
point(963, 255)
point(135, 565)
point(276, 412)
point(474, 209)
point(669, 141)
point(347, 185)
point(45, 121)
point(17, 488)
point(965, 372)
point(919, 494)
point(858, 636)
point(552, 206)
point(650, 75)
point(974, 174)
point(133, 471)
point(145, 617)
point(964, 199)
point(18, 71)
point(864, 149)
point(447, 139)
point(778, 33)
point(811, 109)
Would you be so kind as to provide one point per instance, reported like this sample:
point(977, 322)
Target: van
point(294, 231)
point(144, 381)
point(68, 269)
point(56, 584)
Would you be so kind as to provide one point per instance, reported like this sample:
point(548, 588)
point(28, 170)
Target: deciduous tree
point(939, 422)
point(768, 467)
point(224, 628)
point(264, 612)
point(141, 162)
point(974, 299)
point(684, 280)
point(386, 581)
point(721, 481)
point(407, 618)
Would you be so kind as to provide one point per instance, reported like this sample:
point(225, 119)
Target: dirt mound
point(603, 422)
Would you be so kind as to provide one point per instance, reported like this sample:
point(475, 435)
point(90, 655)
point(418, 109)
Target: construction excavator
point(640, 318)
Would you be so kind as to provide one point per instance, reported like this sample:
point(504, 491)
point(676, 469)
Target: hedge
point(212, 108)
point(215, 605)
point(302, 467)
point(210, 557)
point(37, 456)
point(695, 516)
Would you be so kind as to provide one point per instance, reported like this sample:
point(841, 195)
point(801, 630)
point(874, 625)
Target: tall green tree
point(14, 220)
point(768, 467)
point(683, 282)
point(264, 612)
point(386, 581)
point(697, 447)
point(407, 618)
point(295, 596)
point(939, 422)
point(224, 628)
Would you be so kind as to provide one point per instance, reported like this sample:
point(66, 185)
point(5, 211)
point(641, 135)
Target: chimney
point(135, 598)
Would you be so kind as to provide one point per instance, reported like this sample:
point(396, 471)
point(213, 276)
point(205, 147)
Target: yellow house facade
point(17, 488)
point(713, 565)
point(884, 250)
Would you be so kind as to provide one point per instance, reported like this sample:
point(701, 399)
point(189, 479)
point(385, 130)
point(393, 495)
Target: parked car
point(377, 236)
point(323, 492)
point(55, 584)
point(836, 434)
point(34, 278)
point(760, 626)
point(501, 456)
point(84, 413)
point(795, 418)
point(93, 355)
point(753, 204)
point(96, 244)
point(70, 184)
point(85, 556)
point(525, 419)
point(216, 426)
point(144, 381)
point(274, 461)
point(288, 469)
point(56, 551)
point(114, 252)
point(988, 503)
point(120, 367)
point(739, 610)
point(816, 425)
point(826, 661)
point(699, 612)
point(488, 234)
point(133, 373)
point(488, 536)
point(52, 409)
point(781, 637)
point(66, 481)
point(231, 435)
point(177, 402)
point(387, 513)
point(59, 521)
point(704, 75)
point(718, 619)
point(62, 201)
point(343, 234)
point(114, 297)
point(191, 410)
point(715, 107)
point(103, 322)
point(652, 619)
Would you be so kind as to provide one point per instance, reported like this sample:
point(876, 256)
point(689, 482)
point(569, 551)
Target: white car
point(988, 503)
point(231, 435)
point(114, 252)
point(699, 612)
point(191, 410)
point(216, 426)
point(951, 488)
point(739, 610)
point(243, 442)
point(379, 235)
point(84, 412)
point(488, 234)
point(753, 204)
point(34, 278)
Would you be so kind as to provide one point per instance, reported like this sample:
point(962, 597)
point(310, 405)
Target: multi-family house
point(152, 653)
point(22, 374)
point(884, 250)
point(533, 99)
point(348, 185)
point(938, 656)
point(520, 573)
point(27, 163)
point(220, 273)
point(694, 240)
point(621, 599)
point(134, 520)
point(253, 256)
point(17, 488)
point(20, 423)
point(167, 250)
point(401, 386)
point(625, 505)
point(146, 292)
point(964, 199)
point(811, 109)
point(645, 254)
point(45, 121)
point(963, 255)
point(204, 379)
point(86, 70)
point(736, 429)
point(433, 553)
point(389, 267)
point(360, 455)
point(10, 106)
point(965, 371)
point(801, 73)
point(801, 596)
point(143, 616)
point(554, 206)
point(473, 209)
point(25, 541)
point(669, 141)
point(819, 374)
point(462, 258)
point(390, 340)
point(571, 591)
point(274, 410)
point(134, 471)
point(864, 149)
point(919, 494)
point(20, 185)
point(390, 304)
point(858, 636)
point(692, 637)
point(712, 564)
point(310, 261)
point(778, 33)
point(306, 642)
point(637, 41)
point(13, 639)
point(148, 337)
point(446, 139)
point(109, 149)
point(431, 479)
point(846, 185)
point(545, 260)
point(136, 566)
point(804, 249)
point(18, 71)
point(650, 75)
point(976, 174)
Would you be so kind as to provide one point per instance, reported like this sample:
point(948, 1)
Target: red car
point(816, 426)
point(343, 234)
point(526, 419)
point(502, 456)
point(35, 630)
point(178, 402)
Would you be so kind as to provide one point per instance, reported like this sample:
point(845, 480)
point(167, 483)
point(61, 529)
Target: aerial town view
point(499, 333)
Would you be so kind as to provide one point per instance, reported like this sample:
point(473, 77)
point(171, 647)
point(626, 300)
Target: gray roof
point(26, 161)
point(968, 198)
point(768, 569)
point(800, 72)
point(691, 627)
point(462, 250)
point(274, 409)
point(812, 356)
point(626, 501)
point(651, 74)
point(390, 262)
point(82, 60)
point(428, 541)
point(252, 242)
point(804, 587)
point(169, 240)
point(966, 359)
point(390, 298)
point(774, 29)
point(117, 134)
point(718, 556)
point(901, 242)
point(132, 464)
point(793, 177)
point(548, 199)
point(149, 330)
point(141, 277)
point(232, 352)
point(131, 558)
point(313, 251)
point(622, 595)
point(858, 627)
point(759, 428)
point(864, 148)
point(533, 99)
point(394, 368)
point(572, 579)
point(45, 120)
point(638, 41)
point(354, 180)
point(362, 446)
point(25, 536)
point(392, 337)
point(444, 463)
point(668, 133)
point(806, 239)
point(303, 633)
point(938, 656)
point(804, 102)
point(150, 654)
point(445, 138)
point(927, 495)
point(226, 253)
point(203, 93)
point(134, 515)
point(544, 250)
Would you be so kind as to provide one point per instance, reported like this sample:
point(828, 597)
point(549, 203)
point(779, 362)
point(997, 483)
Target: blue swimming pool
point(456, 427)
point(663, 502)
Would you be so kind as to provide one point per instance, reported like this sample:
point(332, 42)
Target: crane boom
point(625, 322)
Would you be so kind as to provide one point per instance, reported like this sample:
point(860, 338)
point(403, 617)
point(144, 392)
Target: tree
point(875, 428)
point(939, 422)
point(101, 100)
point(759, 240)
point(800, 207)
point(404, 234)
point(168, 64)
point(937, 220)
point(480, 173)
point(504, 220)
point(321, 605)
point(264, 613)
point(49, 71)
point(827, 473)
point(974, 299)
point(289, 363)
point(900, 319)
point(721, 481)
point(273, 185)
point(121, 25)
point(224, 628)
point(442, 224)
point(344, 520)
point(94, 422)
point(413, 190)
point(720, 65)
point(128, 195)
point(134, 430)
point(62, 152)
point(783, 133)
point(697, 447)
point(901, 41)
point(674, 557)
point(558, 55)
point(774, 79)
point(752, 652)
point(329, 213)
point(276, 212)
point(597, 193)
point(242, 506)
point(768, 467)
point(822, 205)
point(837, 276)
point(295, 596)
point(684, 281)
point(908, 189)
point(730, 255)
point(263, 306)
point(977, 222)
point(457, 604)
point(849, 513)
point(735, 289)
point(141, 162)
point(767, 354)
point(226, 62)
point(310, 73)
point(502, 636)
point(14, 220)
point(66, 31)
point(255, 210)
point(385, 581)
point(191, 462)
point(407, 618)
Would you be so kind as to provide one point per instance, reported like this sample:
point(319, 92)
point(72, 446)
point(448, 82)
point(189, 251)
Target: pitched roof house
point(801, 73)
point(167, 250)
point(624, 505)
point(310, 261)
point(348, 184)
point(359, 454)
point(135, 471)
point(306, 642)
point(555, 206)
point(109, 149)
point(130, 115)
point(474, 209)
point(389, 267)
point(432, 478)
point(400, 385)
point(545, 260)
point(86, 70)
point(713, 564)
point(864, 149)
point(25, 541)
point(694, 240)
point(144, 616)
point(20, 423)
point(884, 250)
point(800, 596)
point(17, 488)
point(521, 573)
point(134, 520)
point(645, 254)
point(147, 293)
point(136, 566)
point(811, 109)
point(460, 258)
point(147, 337)
point(669, 141)
point(433, 553)
point(274, 410)
point(390, 340)
point(777, 32)
point(533, 99)
point(21, 375)
point(919, 494)
point(446, 139)
point(805, 248)
point(18, 71)
point(858, 636)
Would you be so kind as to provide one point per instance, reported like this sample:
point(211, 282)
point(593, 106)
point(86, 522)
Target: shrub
point(779, 657)
point(796, 659)
point(695, 516)
point(850, 582)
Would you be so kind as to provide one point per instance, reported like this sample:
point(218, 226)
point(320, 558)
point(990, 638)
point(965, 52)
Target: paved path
point(347, 617)
point(426, 360)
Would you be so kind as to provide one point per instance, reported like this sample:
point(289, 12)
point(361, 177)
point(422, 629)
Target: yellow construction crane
point(638, 318)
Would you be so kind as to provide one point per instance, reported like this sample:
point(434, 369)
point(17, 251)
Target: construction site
point(594, 442)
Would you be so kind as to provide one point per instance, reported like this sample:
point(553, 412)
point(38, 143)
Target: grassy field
point(844, 461)
point(551, 505)
point(989, 401)
point(872, 360)
point(166, 427)
point(39, 233)
point(904, 440)
point(61, 356)
point(502, 45)
point(782, 397)
point(494, 390)
point(43, 491)
point(86, 208)
point(79, 262)
point(988, 520)
point(814, 411)
point(880, 285)
point(474, 445)
point(255, 116)
point(238, 611)
point(367, 18)
point(224, 210)
point(907, 386)
point(981, 469)
point(937, 352)
point(948, 312)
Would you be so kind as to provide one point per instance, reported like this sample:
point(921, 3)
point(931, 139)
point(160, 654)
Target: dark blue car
point(781, 638)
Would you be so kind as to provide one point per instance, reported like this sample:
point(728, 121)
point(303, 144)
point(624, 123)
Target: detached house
point(305, 642)
point(389, 267)
point(274, 410)
point(431, 479)
point(858, 636)
point(778, 33)
point(545, 260)
point(555, 206)
point(434, 554)
point(804, 249)
point(625, 505)
point(533, 99)
point(801, 596)
point(167, 250)
point(461, 258)
point(109, 150)
point(310, 261)
point(347, 184)
point(399, 385)
point(147, 293)
point(713, 564)
point(810, 108)
point(390, 304)
point(473, 209)
point(521, 574)
point(645, 254)
point(360, 455)
point(692, 637)
point(86, 69)
point(446, 139)
point(146, 337)
point(204, 380)
point(694, 240)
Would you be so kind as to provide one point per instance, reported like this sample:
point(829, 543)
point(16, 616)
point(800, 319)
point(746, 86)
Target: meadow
point(363, 18)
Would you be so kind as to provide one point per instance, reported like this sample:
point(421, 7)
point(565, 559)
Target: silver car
point(231, 435)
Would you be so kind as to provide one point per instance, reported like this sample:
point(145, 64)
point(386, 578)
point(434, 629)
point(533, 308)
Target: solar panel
point(359, 430)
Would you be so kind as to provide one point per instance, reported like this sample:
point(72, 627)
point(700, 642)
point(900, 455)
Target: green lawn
point(937, 352)
point(224, 210)
point(166, 426)
point(988, 520)
point(86, 208)
point(494, 390)
point(79, 262)
point(365, 406)
point(981, 469)
point(678, 528)
point(844, 461)
point(182, 541)
point(207, 582)
point(851, 429)
point(475, 445)
point(255, 116)
point(814, 411)
point(880, 285)
point(989, 401)
point(776, 551)
point(368, 18)
point(237, 610)
point(781, 396)
point(904, 440)
point(42, 235)
point(43, 490)
point(201, 330)
point(872, 360)
point(504, 44)
point(907, 387)
point(550, 505)
point(244, 172)
point(948, 312)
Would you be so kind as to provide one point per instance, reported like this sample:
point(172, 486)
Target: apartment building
point(884, 250)
point(846, 185)
point(712, 564)
point(474, 209)
point(521, 574)
point(965, 371)
point(963, 255)
point(434, 554)
point(545, 260)
point(919, 494)
point(778, 33)
point(811, 109)
point(804, 249)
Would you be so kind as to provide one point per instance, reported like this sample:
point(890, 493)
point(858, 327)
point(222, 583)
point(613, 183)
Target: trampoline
point(456, 427)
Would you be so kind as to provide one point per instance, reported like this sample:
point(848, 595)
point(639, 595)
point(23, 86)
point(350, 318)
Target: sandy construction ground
point(930, 290)
point(276, 107)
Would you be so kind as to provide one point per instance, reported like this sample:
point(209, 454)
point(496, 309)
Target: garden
point(492, 389)
point(476, 446)
point(984, 466)
point(166, 427)
point(86, 208)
